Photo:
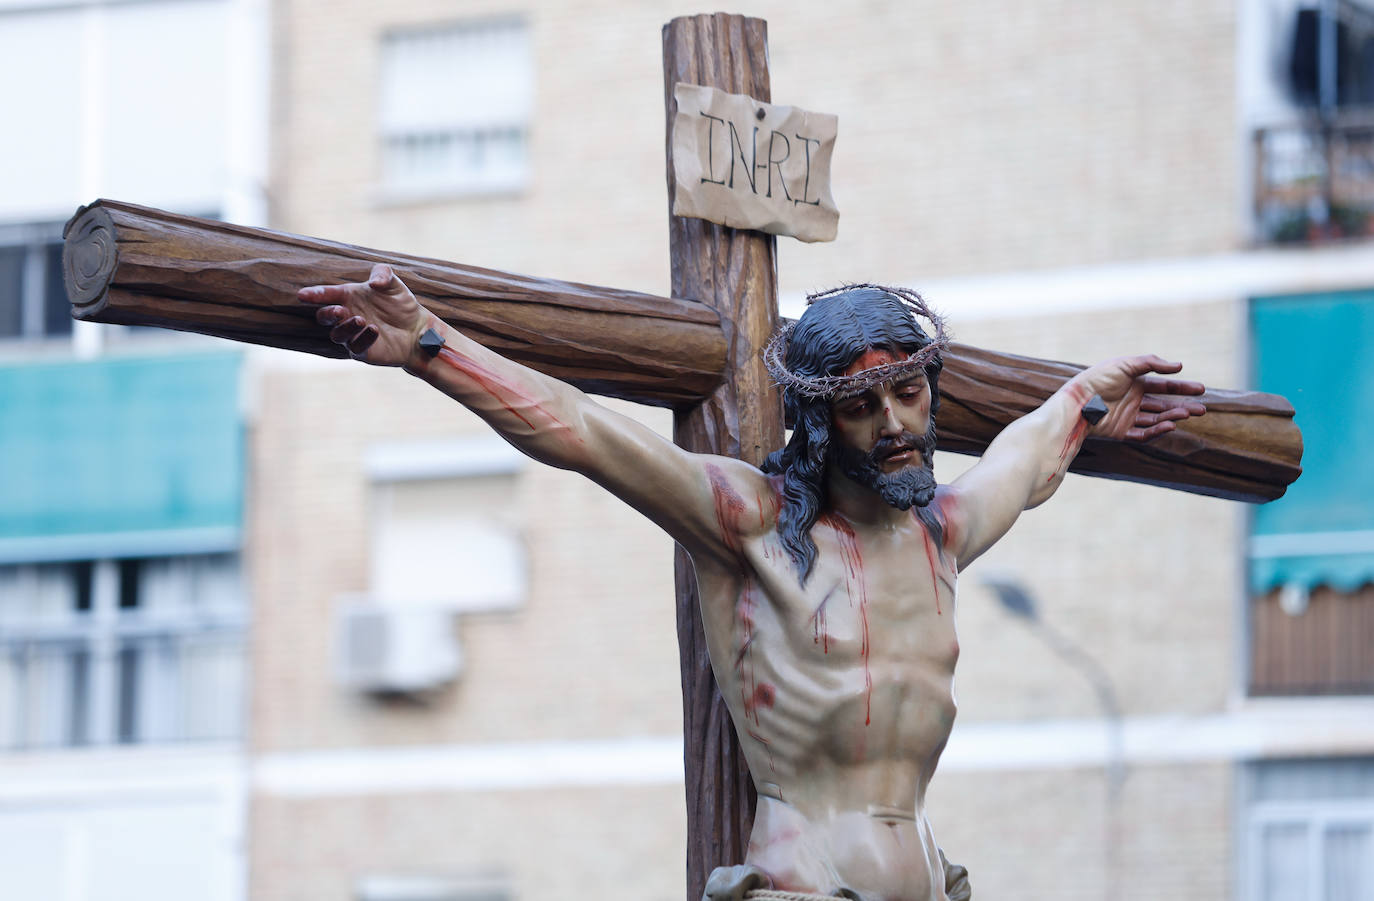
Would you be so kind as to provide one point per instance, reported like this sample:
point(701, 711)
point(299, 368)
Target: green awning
point(117, 457)
point(1318, 351)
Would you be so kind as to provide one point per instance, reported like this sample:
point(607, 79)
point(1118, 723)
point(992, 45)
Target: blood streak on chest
point(744, 655)
point(854, 578)
point(730, 510)
point(820, 633)
point(933, 557)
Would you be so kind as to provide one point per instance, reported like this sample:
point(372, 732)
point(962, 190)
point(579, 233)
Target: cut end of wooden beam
point(89, 258)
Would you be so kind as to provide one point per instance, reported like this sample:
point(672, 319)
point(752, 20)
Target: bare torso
point(842, 693)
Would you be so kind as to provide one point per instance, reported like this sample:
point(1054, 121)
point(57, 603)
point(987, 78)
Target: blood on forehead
point(871, 358)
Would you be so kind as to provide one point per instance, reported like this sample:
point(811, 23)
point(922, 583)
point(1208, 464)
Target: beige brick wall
point(617, 844)
point(974, 136)
point(1043, 835)
point(1023, 835)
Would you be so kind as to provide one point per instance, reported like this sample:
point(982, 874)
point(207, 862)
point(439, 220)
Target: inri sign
point(747, 164)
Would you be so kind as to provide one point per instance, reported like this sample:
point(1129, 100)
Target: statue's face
point(874, 421)
point(882, 439)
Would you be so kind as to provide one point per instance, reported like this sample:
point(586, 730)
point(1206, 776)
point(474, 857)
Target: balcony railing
point(1314, 182)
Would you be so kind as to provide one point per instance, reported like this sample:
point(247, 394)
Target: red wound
point(935, 558)
point(1070, 448)
point(729, 510)
point(500, 391)
point(854, 577)
point(820, 633)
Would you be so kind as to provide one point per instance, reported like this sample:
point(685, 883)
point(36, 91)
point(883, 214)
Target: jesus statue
point(827, 578)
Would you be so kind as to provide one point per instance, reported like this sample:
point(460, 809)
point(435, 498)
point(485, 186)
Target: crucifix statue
point(815, 576)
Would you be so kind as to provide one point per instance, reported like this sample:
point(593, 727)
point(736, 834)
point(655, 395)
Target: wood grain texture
point(735, 272)
point(1247, 447)
point(138, 266)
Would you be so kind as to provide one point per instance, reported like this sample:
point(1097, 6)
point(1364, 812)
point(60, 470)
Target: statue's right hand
point(378, 321)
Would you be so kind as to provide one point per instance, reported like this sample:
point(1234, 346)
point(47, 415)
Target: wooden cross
point(696, 351)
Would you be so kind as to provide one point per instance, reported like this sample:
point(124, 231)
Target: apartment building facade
point(458, 668)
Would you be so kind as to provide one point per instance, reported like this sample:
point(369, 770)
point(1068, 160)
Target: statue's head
point(849, 342)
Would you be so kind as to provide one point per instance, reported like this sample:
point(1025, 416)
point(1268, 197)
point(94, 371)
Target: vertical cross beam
point(734, 271)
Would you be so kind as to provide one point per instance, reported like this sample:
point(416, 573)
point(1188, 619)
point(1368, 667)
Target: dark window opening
point(128, 583)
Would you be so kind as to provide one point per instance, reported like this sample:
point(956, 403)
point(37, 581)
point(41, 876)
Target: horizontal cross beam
point(139, 266)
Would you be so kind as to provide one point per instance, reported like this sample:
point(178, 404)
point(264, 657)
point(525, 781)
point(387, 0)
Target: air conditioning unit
point(386, 648)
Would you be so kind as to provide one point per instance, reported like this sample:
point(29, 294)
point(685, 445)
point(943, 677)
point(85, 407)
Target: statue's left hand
point(1140, 404)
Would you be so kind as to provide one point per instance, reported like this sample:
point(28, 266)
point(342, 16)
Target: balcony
point(1314, 182)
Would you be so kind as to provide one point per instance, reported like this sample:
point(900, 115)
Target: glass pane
point(1349, 852)
point(44, 593)
point(128, 583)
point(11, 696)
point(11, 290)
point(182, 584)
point(126, 714)
point(49, 700)
point(79, 715)
point(57, 311)
point(1284, 870)
point(1343, 779)
point(212, 695)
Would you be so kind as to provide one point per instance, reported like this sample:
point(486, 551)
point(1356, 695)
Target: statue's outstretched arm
point(381, 323)
point(1026, 463)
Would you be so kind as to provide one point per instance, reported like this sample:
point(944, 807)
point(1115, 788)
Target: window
point(446, 540)
point(33, 301)
point(1311, 614)
point(1307, 86)
point(33, 296)
point(446, 529)
point(1309, 830)
point(121, 651)
point(455, 106)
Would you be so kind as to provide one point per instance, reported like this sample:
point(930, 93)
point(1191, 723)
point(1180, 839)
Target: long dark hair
point(836, 329)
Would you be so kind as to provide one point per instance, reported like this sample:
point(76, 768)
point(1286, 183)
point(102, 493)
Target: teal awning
point(1318, 351)
point(120, 457)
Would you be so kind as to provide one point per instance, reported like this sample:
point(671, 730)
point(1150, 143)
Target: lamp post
point(1017, 601)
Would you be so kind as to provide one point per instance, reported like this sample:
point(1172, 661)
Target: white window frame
point(389, 464)
point(33, 238)
point(1317, 816)
point(102, 632)
point(422, 154)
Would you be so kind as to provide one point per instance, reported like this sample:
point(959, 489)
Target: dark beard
point(912, 486)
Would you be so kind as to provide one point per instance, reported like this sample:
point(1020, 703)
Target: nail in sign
point(747, 164)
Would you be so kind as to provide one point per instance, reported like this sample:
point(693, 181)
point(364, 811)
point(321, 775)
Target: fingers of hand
point(347, 330)
point(1152, 404)
point(332, 315)
point(1145, 434)
point(383, 280)
point(322, 294)
point(1173, 414)
point(1156, 363)
point(1173, 386)
point(379, 279)
point(363, 340)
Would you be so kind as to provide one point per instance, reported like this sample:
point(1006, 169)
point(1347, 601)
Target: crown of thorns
point(831, 386)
